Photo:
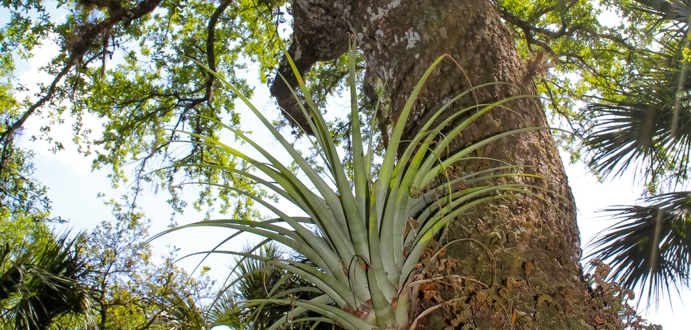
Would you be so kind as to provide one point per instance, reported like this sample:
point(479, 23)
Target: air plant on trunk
point(364, 239)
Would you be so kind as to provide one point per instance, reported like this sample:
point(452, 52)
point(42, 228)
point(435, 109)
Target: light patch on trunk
point(412, 37)
point(381, 12)
point(298, 53)
point(442, 33)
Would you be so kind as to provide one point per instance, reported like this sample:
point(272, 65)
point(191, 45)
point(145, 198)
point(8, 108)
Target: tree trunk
point(533, 268)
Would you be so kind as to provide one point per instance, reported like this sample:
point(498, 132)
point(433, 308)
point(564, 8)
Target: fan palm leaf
point(645, 122)
point(361, 252)
point(41, 283)
point(650, 246)
point(254, 280)
point(646, 119)
point(640, 134)
point(668, 9)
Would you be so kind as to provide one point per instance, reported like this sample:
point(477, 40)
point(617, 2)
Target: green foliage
point(643, 124)
point(573, 52)
point(129, 289)
point(255, 279)
point(104, 279)
point(138, 74)
point(630, 135)
point(649, 106)
point(137, 77)
point(649, 247)
point(20, 194)
point(20, 230)
point(40, 283)
point(363, 279)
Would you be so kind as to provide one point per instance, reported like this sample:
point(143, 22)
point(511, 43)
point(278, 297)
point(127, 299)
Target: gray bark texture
point(525, 250)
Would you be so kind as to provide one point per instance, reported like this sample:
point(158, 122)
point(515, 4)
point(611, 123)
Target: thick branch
point(210, 56)
point(320, 34)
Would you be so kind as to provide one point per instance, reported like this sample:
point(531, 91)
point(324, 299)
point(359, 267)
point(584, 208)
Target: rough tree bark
point(533, 268)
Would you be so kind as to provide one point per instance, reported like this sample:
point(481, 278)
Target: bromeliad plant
point(363, 240)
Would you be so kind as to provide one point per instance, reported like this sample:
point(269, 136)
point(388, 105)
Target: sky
point(73, 189)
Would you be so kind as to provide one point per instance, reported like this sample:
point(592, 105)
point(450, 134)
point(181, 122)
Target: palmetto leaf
point(669, 9)
point(650, 245)
point(41, 283)
point(647, 122)
point(646, 119)
point(635, 134)
point(360, 256)
point(225, 311)
point(257, 279)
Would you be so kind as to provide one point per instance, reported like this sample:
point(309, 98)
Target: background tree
point(106, 278)
point(130, 290)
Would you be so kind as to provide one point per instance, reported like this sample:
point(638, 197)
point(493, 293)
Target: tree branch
point(86, 38)
point(565, 30)
point(319, 34)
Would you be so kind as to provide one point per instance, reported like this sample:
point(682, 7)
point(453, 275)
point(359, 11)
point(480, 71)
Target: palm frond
point(226, 312)
point(41, 283)
point(635, 134)
point(644, 121)
point(669, 9)
point(648, 248)
point(256, 280)
point(647, 126)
